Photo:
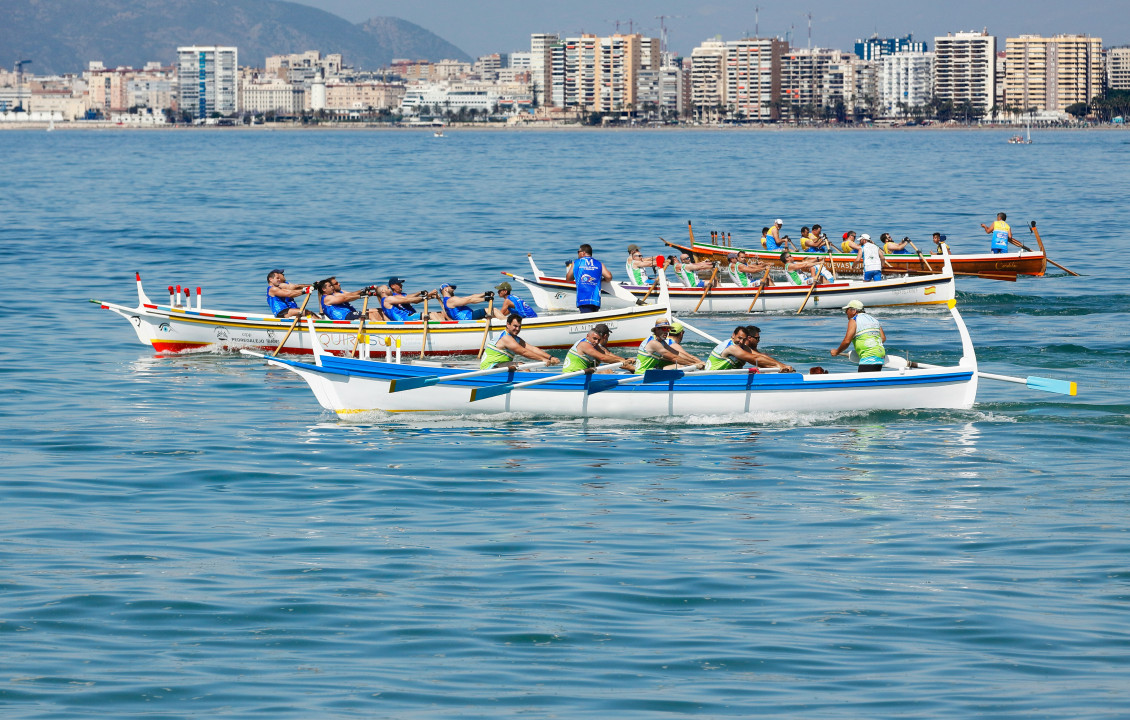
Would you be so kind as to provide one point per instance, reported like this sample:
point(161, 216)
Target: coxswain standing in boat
point(637, 265)
point(281, 294)
point(592, 350)
point(866, 334)
point(654, 353)
point(455, 308)
point(398, 306)
point(1001, 232)
point(871, 258)
point(511, 303)
point(735, 353)
point(502, 349)
point(587, 272)
point(335, 301)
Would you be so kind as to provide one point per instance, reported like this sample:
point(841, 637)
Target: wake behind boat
point(178, 327)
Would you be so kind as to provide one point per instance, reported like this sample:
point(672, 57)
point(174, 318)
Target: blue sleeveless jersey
point(338, 312)
point(398, 312)
point(456, 313)
point(588, 272)
point(279, 305)
point(521, 307)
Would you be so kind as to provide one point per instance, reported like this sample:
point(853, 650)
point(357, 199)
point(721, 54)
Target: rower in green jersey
point(654, 352)
point(502, 349)
point(591, 350)
point(866, 335)
point(740, 349)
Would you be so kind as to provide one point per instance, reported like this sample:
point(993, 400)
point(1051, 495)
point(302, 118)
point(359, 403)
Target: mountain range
point(63, 36)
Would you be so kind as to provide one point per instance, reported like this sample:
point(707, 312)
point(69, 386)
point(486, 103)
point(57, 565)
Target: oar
point(1060, 387)
point(402, 384)
point(832, 263)
point(1032, 229)
point(424, 315)
point(507, 388)
point(920, 257)
point(764, 281)
point(709, 285)
point(696, 331)
point(301, 312)
point(360, 326)
point(486, 332)
point(650, 290)
point(815, 279)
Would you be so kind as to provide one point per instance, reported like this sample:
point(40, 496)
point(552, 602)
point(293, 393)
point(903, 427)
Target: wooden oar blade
point(493, 391)
point(1060, 387)
point(654, 376)
point(402, 384)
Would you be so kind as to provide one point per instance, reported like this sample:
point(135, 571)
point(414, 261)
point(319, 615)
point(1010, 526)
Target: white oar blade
point(1061, 387)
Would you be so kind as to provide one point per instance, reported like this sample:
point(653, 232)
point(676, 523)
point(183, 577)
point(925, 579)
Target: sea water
point(194, 536)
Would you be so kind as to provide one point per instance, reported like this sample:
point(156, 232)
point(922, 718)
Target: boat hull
point(350, 387)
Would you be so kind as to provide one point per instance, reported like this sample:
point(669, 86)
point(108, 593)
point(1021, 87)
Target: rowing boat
point(992, 266)
point(557, 293)
point(348, 387)
point(177, 327)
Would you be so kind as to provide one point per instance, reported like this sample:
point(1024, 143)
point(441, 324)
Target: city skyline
point(480, 28)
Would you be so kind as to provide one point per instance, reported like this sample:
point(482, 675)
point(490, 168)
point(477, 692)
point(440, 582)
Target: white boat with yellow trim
point(179, 327)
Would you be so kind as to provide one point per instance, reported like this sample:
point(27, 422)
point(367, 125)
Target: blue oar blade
point(402, 384)
point(1062, 387)
point(653, 376)
point(488, 392)
point(603, 384)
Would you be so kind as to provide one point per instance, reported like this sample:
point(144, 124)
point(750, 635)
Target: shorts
point(353, 315)
point(478, 314)
point(587, 308)
point(870, 367)
point(282, 313)
point(872, 275)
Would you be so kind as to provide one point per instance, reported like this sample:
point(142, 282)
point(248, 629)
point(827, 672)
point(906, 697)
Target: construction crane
point(20, 82)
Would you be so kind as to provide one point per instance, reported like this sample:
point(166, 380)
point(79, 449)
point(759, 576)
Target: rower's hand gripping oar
point(402, 384)
point(506, 388)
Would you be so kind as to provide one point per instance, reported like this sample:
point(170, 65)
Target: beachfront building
point(117, 90)
point(708, 81)
point(362, 98)
point(544, 71)
point(464, 98)
point(663, 91)
point(1118, 68)
point(1052, 73)
point(261, 93)
point(965, 70)
point(207, 80)
point(877, 48)
point(806, 87)
point(752, 68)
point(600, 74)
point(906, 81)
point(304, 68)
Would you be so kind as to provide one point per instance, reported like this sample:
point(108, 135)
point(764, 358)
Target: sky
point(481, 27)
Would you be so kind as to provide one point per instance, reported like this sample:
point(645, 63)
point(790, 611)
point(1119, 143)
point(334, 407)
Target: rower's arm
point(848, 336)
point(569, 272)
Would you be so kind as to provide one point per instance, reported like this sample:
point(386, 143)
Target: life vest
point(1001, 230)
point(279, 305)
point(647, 360)
point(718, 361)
point(868, 340)
point(577, 360)
point(493, 354)
point(845, 246)
point(588, 273)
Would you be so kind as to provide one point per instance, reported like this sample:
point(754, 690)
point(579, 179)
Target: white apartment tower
point(906, 80)
point(965, 69)
point(1051, 73)
point(753, 77)
point(208, 80)
point(541, 66)
point(1118, 68)
point(708, 81)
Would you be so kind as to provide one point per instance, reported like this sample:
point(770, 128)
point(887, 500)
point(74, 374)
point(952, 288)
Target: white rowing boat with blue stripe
point(348, 387)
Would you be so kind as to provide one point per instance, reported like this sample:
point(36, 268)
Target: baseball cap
point(778, 221)
point(601, 329)
point(732, 256)
point(276, 271)
point(395, 280)
point(854, 305)
point(662, 323)
point(677, 327)
point(864, 237)
point(633, 248)
point(447, 285)
point(503, 286)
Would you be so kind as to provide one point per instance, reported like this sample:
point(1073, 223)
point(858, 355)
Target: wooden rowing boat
point(347, 387)
point(177, 327)
point(557, 293)
point(1002, 266)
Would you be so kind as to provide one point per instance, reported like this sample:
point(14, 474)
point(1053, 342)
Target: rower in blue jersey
point(456, 307)
point(335, 301)
point(281, 294)
point(398, 306)
point(587, 272)
point(511, 303)
point(1001, 232)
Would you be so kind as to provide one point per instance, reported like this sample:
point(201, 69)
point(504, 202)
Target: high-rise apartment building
point(542, 68)
point(708, 81)
point(805, 79)
point(906, 80)
point(877, 48)
point(1051, 73)
point(965, 69)
point(752, 69)
point(208, 80)
point(1118, 68)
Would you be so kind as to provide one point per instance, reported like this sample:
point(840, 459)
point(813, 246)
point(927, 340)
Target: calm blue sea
point(195, 537)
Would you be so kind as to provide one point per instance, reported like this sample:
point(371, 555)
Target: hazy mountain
point(61, 36)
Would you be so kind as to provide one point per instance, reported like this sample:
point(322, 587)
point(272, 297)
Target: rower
point(734, 353)
point(803, 272)
point(654, 353)
point(814, 241)
point(849, 245)
point(1001, 232)
point(866, 334)
point(686, 272)
point(281, 294)
point(456, 307)
point(591, 350)
point(335, 301)
point(636, 266)
point(502, 349)
point(511, 303)
point(398, 306)
point(892, 247)
point(675, 342)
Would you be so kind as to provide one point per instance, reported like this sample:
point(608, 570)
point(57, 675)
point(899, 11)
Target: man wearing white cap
point(773, 236)
point(866, 334)
point(872, 259)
